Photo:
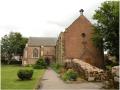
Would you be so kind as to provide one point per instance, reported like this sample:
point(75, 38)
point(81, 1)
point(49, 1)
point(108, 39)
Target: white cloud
point(42, 17)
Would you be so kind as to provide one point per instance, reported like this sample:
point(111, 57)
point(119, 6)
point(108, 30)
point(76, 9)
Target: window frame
point(35, 50)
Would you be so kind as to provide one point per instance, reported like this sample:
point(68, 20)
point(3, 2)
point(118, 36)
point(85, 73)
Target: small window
point(83, 35)
point(35, 52)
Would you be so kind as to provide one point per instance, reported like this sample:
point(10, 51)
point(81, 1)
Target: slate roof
point(44, 41)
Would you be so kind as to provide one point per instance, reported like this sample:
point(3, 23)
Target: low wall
point(91, 73)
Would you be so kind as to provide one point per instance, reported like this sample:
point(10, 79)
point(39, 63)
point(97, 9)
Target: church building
point(74, 43)
point(39, 47)
point(77, 43)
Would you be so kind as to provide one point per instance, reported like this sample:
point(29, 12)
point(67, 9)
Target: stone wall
point(43, 51)
point(28, 55)
point(60, 48)
point(91, 73)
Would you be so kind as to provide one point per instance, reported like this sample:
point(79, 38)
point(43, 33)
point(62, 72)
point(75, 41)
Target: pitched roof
point(44, 41)
point(81, 20)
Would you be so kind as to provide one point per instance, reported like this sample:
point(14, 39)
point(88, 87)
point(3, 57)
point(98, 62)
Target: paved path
point(51, 81)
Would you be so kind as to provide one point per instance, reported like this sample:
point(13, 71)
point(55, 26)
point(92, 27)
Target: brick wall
point(74, 47)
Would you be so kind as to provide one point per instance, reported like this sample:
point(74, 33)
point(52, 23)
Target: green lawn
point(9, 79)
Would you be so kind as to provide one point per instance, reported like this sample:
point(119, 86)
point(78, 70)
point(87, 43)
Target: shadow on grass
point(25, 80)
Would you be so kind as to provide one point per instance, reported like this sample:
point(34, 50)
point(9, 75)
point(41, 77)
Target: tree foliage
point(12, 44)
point(106, 33)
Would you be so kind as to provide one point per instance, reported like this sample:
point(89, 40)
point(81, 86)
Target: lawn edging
point(38, 83)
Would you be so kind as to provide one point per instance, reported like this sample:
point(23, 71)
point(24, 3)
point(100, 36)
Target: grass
point(9, 79)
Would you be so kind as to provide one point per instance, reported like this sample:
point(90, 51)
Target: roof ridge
point(81, 16)
point(36, 41)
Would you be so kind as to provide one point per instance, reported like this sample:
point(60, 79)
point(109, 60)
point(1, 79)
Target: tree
point(106, 33)
point(12, 44)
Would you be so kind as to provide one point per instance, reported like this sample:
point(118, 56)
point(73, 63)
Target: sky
point(42, 18)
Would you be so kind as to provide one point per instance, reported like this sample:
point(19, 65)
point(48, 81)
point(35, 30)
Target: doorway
point(47, 60)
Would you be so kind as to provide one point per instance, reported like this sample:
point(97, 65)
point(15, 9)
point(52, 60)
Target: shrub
point(25, 74)
point(29, 65)
point(16, 62)
point(13, 62)
point(40, 64)
point(62, 70)
point(70, 74)
point(108, 67)
point(57, 67)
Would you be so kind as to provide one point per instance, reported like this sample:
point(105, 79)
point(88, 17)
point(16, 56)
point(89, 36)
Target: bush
point(108, 67)
point(29, 65)
point(13, 62)
point(25, 74)
point(16, 62)
point(70, 74)
point(40, 64)
point(56, 67)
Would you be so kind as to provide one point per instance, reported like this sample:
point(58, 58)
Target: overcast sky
point(42, 18)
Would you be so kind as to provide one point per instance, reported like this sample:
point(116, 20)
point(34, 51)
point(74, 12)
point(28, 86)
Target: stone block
point(91, 78)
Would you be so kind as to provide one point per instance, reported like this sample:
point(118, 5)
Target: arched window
point(35, 52)
point(83, 35)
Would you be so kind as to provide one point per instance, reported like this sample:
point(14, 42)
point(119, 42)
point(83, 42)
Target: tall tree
point(12, 44)
point(107, 27)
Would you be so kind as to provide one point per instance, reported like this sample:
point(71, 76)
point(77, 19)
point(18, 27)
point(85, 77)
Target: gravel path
point(51, 81)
